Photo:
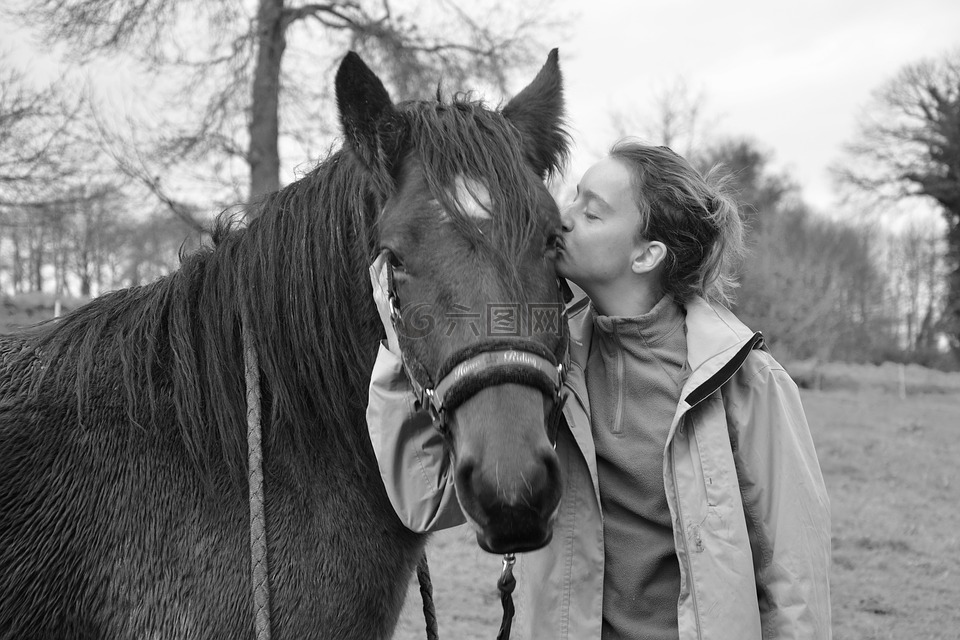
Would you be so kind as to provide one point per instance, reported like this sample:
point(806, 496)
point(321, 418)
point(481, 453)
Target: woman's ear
point(648, 255)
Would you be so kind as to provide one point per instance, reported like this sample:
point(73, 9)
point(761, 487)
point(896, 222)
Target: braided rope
point(258, 518)
point(426, 594)
point(505, 586)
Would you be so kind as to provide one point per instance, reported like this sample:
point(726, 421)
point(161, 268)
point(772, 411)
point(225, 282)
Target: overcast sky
point(791, 75)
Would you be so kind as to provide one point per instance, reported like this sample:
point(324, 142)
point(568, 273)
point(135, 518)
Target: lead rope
point(426, 594)
point(505, 586)
point(258, 519)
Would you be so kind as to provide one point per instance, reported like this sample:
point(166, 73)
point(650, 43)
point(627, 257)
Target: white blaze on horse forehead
point(473, 198)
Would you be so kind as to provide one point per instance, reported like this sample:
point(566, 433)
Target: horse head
point(470, 230)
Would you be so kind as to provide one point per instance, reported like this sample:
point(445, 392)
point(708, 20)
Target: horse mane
point(295, 277)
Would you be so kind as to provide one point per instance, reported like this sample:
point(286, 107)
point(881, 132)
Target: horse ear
point(537, 112)
point(371, 124)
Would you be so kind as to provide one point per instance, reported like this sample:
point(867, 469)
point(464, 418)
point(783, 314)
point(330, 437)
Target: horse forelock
point(465, 142)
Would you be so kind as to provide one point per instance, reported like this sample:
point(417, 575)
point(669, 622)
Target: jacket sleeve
point(413, 462)
point(784, 497)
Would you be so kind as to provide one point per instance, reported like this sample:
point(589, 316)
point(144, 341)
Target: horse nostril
point(533, 484)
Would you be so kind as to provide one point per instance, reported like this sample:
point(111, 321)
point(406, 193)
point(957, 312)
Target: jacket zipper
point(618, 418)
point(683, 538)
point(705, 482)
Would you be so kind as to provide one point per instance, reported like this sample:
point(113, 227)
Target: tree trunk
point(17, 264)
point(264, 154)
point(37, 270)
point(946, 191)
point(84, 271)
point(952, 312)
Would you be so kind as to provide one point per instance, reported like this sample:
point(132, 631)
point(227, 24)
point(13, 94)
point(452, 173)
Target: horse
point(123, 471)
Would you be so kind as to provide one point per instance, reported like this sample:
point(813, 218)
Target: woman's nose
point(566, 220)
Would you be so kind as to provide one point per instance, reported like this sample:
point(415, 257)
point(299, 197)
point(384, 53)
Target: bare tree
point(814, 287)
point(40, 166)
point(909, 145)
point(234, 51)
point(916, 280)
point(675, 116)
point(760, 192)
point(129, 156)
point(33, 140)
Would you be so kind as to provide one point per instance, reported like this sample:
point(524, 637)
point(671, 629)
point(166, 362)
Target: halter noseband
point(485, 364)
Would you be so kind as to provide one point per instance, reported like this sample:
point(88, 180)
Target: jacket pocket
point(706, 435)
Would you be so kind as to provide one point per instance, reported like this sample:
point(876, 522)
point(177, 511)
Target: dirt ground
point(893, 474)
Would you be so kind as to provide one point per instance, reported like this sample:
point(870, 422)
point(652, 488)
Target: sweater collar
point(715, 337)
point(662, 320)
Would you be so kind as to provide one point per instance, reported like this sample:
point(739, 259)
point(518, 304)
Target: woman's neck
point(626, 298)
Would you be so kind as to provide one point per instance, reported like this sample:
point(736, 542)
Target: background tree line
point(832, 289)
point(91, 202)
point(856, 289)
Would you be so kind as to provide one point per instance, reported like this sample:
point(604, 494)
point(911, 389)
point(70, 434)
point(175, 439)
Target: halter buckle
point(436, 411)
point(509, 560)
point(394, 307)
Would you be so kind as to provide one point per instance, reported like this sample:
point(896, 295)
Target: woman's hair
point(692, 215)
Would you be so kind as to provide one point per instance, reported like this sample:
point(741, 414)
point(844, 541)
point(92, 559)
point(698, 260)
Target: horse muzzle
point(517, 539)
point(512, 503)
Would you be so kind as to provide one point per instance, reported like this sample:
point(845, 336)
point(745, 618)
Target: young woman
point(693, 504)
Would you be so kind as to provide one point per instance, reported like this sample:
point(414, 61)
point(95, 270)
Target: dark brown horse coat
point(123, 497)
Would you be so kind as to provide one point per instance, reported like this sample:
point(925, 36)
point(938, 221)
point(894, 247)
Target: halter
point(467, 371)
point(485, 364)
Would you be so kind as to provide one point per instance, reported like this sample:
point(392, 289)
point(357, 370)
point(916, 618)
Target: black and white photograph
point(529, 319)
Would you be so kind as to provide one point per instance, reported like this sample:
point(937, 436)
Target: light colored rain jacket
point(751, 517)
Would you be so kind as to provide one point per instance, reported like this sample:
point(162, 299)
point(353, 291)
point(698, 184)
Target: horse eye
point(395, 262)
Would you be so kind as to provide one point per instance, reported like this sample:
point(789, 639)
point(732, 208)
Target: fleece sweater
point(636, 368)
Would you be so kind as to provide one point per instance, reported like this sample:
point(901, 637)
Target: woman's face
point(599, 227)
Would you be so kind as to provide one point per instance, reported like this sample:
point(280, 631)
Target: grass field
point(30, 308)
point(892, 470)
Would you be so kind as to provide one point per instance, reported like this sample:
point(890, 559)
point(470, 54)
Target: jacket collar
point(717, 344)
